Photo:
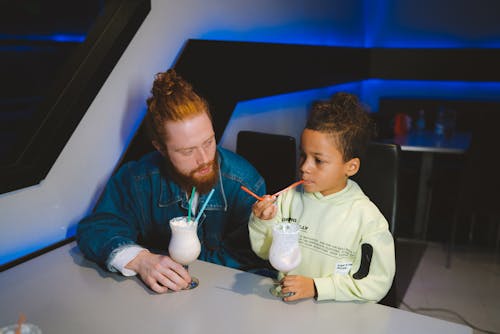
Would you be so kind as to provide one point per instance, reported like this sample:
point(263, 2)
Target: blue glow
point(59, 38)
point(370, 91)
point(26, 250)
point(379, 23)
point(317, 38)
point(374, 89)
point(64, 38)
point(288, 100)
point(374, 15)
point(438, 24)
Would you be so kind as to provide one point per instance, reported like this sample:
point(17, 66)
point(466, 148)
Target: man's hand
point(301, 286)
point(159, 272)
point(265, 209)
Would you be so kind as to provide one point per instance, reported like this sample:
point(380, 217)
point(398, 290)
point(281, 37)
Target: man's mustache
point(209, 164)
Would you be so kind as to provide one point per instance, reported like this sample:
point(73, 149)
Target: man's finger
point(170, 283)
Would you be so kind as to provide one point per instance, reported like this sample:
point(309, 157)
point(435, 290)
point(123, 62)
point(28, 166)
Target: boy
point(347, 248)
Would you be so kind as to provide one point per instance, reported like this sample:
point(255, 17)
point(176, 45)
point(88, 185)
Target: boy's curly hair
point(346, 119)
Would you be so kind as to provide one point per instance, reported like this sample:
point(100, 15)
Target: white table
point(63, 293)
point(429, 144)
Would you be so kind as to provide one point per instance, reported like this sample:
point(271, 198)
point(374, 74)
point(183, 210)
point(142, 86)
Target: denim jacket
point(139, 200)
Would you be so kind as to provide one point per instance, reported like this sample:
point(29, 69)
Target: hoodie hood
point(350, 193)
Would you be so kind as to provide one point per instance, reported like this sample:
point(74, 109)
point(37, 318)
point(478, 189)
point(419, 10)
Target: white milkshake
point(184, 245)
point(284, 254)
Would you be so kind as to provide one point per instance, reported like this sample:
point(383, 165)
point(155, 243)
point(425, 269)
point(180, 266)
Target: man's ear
point(158, 147)
point(352, 166)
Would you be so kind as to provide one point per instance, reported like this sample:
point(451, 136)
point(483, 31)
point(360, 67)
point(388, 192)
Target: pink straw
point(248, 191)
point(293, 185)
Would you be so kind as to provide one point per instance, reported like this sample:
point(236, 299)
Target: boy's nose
point(304, 166)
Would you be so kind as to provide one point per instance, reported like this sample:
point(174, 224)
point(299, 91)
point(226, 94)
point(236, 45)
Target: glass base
point(275, 290)
point(193, 284)
point(194, 281)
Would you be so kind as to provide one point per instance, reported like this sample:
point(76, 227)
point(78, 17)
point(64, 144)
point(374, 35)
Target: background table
point(63, 293)
point(429, 144)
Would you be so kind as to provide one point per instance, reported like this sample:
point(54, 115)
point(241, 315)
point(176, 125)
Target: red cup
point(401, 126)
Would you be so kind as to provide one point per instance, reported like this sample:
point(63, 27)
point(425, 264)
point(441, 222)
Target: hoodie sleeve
point(261, 235)
point(371, 274)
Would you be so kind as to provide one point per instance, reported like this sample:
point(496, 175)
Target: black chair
point(378, 176)
point(477, 199)
point(273, 155)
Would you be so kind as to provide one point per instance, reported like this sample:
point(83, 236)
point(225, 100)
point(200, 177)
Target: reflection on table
point(62, 293)
point(428, 143)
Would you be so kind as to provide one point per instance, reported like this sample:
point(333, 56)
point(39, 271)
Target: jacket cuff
point(119, 259)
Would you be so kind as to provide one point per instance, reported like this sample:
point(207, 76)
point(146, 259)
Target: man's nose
point(201, 156)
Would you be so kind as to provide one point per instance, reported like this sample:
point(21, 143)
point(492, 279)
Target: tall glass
point(184, 246)
point(26, 328)
point(284, 254)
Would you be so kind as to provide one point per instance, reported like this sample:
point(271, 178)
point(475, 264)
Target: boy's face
point(322, 165)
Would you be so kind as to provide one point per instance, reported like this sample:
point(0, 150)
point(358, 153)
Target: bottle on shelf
point(420, 122)
point(440, 123)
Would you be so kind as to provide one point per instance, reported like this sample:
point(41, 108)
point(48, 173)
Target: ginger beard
point(203, 183)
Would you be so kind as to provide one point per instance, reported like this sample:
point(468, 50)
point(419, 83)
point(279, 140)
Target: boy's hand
point(302, 287)
point(265, 209)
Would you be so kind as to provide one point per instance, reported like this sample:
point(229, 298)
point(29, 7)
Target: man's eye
point(208, 143)
point(187, 152)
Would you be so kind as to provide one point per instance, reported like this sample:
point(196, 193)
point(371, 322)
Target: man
point(129, 229)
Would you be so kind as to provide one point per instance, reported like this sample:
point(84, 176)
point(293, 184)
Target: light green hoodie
point(333, 230)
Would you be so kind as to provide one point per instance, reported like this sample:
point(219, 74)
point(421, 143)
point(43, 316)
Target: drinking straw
point(245, 189)
point(22, 318)
point(248, 191)
point(204, 205)
point(293, 185)
point(191, 203)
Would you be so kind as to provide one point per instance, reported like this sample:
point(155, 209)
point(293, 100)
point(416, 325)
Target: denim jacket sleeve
point(114, 222)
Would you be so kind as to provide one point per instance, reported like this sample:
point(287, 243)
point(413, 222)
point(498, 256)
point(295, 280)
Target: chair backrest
point(378, 177)
point(273, 155)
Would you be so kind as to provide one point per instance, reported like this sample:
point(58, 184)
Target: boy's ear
point(352, 166)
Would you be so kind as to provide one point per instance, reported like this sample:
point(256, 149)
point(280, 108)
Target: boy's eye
point(318, 161)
